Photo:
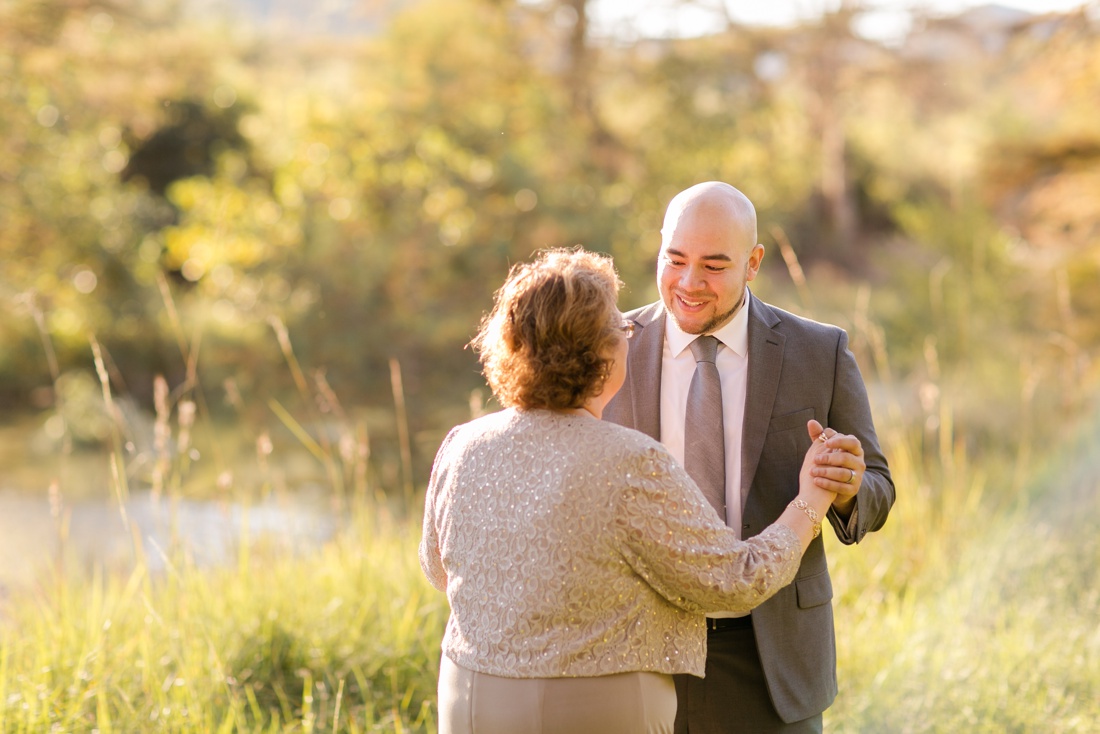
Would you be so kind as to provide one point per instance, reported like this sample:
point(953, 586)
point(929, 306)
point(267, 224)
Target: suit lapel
point(765, 363)
point(644, 370)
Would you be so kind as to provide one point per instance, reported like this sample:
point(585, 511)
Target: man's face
point(702, 270)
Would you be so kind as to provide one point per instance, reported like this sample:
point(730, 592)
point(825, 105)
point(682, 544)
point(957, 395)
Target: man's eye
point(715, 268)
point(676, 263)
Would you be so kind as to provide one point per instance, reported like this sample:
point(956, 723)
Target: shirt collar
point(734, 334)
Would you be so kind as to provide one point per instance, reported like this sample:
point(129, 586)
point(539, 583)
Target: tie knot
point(705, 348)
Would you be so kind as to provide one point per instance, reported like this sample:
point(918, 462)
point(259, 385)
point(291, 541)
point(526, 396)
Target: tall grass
point(343, 638)
point(973, 610)
point(975, 616)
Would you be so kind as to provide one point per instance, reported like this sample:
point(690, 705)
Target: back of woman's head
point(548, 340)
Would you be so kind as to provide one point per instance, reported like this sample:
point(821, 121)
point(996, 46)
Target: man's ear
point(752, 267)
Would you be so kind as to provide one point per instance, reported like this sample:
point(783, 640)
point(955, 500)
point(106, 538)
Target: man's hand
point(842, 467)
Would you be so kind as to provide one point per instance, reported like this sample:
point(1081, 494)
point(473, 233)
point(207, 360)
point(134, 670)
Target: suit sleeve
point(850, 412)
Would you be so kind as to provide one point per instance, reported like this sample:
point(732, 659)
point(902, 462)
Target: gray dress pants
point(733, 698)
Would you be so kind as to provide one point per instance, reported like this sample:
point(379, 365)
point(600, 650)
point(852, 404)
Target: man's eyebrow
point(718, 256)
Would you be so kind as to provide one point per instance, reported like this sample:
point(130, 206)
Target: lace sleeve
point(431, 560)
point(674, 540)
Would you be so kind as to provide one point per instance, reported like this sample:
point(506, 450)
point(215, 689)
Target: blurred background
point(243, 245)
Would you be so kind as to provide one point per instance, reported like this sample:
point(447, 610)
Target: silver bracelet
point(801, 504)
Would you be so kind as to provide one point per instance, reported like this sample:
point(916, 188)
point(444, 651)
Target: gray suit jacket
point(798, 370)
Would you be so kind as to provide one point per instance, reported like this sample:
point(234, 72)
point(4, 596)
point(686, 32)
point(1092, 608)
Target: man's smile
point(690, 304)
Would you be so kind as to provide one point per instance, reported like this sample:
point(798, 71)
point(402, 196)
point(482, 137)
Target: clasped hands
point(835, 462)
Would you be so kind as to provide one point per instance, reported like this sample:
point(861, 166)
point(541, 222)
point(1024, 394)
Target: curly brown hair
point(554, 322)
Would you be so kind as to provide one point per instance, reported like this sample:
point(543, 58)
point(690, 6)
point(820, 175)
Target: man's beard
point(719, 319)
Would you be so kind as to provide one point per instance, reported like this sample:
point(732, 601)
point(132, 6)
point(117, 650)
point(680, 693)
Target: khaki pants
point(627, 703)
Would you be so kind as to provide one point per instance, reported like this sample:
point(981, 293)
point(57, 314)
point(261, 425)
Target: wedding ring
point(852, 477)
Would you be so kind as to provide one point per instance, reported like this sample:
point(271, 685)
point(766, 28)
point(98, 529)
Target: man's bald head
point(716, 201)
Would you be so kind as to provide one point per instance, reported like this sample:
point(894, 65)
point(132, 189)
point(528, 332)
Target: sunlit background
point(887, 21)
point(243, 247)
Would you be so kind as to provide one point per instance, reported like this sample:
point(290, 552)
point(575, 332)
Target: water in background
point(32, 537)
point(60, 507)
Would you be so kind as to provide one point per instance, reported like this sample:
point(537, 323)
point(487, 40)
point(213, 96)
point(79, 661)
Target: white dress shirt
point(677, 368)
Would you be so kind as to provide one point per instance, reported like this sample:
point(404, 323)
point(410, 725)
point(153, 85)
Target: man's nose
point(693, 279)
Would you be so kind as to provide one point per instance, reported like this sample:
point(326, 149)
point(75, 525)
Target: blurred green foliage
point(271, 221)
point(177, 185)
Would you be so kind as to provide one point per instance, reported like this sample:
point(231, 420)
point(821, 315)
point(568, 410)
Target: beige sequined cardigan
point(569, 546)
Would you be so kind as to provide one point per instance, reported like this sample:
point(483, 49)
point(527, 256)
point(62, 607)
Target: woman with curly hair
point(577, 556)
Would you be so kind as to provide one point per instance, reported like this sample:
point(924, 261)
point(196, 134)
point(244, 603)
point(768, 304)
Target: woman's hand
point(820, 479)
point(839, 469)
point(816, 489)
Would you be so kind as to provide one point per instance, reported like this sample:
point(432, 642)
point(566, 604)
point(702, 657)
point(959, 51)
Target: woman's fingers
point(845, 443)
point(815, 429)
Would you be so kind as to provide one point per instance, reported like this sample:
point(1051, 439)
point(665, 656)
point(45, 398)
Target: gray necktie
point(704, 436)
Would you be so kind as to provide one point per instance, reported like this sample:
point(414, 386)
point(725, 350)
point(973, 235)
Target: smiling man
point(708, 255)
point(728, 383)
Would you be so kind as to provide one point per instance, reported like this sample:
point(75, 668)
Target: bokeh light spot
point(526, 200)
point(150, 249)
point(339, 209)
point(110, 137)
point(114, 161)
point(85, 281)
point(225, 96)
point(193, 270)
point(48, 115)
point(222, 275)
point(482, 171)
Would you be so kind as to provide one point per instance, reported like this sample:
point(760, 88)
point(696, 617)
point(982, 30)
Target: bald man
point(773, 670)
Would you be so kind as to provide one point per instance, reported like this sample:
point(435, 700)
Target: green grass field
point(973, 610)
point(342, 638)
